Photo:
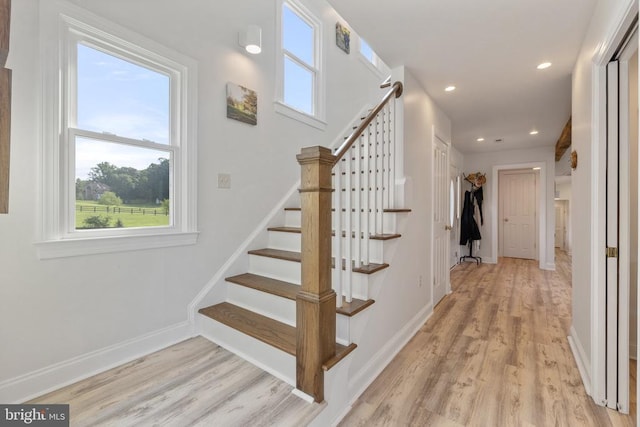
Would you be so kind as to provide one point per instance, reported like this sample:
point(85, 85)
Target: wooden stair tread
point(298, 230)
point(354, 307)
point(267, 330)
point(296, 256)
point(393, 210)
point(289, 291)
point(277, 253)
point(341, 352)
point(285, 229)
point(266, 284)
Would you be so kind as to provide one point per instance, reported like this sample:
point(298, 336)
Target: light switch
point(224, 180)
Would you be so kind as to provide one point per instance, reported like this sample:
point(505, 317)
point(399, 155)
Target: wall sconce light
point(251, 39)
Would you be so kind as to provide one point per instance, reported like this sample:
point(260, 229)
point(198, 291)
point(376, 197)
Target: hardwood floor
point(193, 383)
point(494, 353)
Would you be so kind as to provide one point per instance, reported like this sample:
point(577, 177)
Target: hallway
point(494, 353)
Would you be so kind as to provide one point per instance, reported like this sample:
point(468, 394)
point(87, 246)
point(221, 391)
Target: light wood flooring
point(193, 383)
point(494, 353)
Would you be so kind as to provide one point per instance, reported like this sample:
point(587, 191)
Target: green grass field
point(153, 216)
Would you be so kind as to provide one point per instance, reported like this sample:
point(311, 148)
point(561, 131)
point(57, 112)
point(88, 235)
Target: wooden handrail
point(396, 90)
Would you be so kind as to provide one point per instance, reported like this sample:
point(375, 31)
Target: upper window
point(125, 156)
point(370, 57)
point(300, 75)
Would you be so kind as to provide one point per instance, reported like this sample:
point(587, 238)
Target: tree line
point(149, 185)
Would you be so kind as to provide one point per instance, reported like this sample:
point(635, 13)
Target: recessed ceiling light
point(533, 132)
point(450, 88)
point(537, 168)
point(544, 65)
point(480, 139)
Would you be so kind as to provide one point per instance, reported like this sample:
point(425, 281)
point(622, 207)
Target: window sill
point(113, 244)
point(305, 118)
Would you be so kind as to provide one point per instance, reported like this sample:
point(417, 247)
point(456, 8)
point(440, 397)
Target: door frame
point(435, 133)
point(595, 384)
point(536, 224)
point(543, 230)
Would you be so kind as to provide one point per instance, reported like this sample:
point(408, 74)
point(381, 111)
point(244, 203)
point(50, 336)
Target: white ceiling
point(489, 50)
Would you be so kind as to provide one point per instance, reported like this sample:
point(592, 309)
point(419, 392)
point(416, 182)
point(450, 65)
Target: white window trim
point(317, 119)
point(58, 20)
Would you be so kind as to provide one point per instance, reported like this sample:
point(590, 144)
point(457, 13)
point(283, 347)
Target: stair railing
point(364, 185)
point(372, 163)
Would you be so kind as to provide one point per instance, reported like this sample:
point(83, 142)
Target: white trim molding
point(37, 383)
point(63, 27)
point(582, 361)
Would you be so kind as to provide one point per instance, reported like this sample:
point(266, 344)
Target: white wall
point(607, 16)
point(487, 163)
point(55, 310)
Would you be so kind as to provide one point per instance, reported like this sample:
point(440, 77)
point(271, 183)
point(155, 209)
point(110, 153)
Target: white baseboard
point(581, 359)
point(37, 383)
point(384, 356)
point(550, 266)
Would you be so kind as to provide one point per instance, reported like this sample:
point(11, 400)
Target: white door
point(518, 213)
point(440, 219)
point(560, 225)
point(622, 103)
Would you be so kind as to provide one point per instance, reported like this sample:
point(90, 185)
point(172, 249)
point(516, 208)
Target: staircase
point(278, 320)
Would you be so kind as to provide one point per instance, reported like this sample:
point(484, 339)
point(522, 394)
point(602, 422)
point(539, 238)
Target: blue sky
point(119, 97)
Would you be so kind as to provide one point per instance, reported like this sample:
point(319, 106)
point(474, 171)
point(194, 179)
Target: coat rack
point(470, 231)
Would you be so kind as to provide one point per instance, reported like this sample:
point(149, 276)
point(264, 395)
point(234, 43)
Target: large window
point(118, 139)
point(300, 77)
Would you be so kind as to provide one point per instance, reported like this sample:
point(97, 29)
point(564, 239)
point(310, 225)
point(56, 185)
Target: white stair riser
point(389, 221)
point(359, 284)
point(288, 271)
point(278, 308)
point(376, 250)
point(292, 219)
point(285, 241)
point(343, 335)
point(278, 363)
point(291, 242)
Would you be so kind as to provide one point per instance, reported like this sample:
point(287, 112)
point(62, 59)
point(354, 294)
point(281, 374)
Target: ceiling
point(489, 50)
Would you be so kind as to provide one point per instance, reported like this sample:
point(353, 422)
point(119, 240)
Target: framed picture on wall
point(242, 104)
point(343, 38)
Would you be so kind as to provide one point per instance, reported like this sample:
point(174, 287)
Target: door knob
point(448, 227)
point(506, 220)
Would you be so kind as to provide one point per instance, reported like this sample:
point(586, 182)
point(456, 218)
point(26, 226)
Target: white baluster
point(337, 226)
point(366, 185)
point(348, 228)
point(392, 153)
point(357, 203)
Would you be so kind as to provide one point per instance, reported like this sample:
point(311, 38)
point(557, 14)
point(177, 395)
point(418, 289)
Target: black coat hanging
point(469, 230)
